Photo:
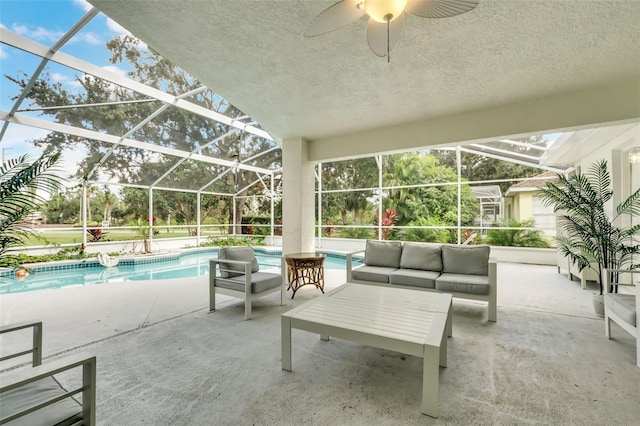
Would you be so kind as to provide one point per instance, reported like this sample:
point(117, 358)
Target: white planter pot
point(598, 304)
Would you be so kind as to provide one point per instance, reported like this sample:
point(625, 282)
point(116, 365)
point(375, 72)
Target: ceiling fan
point(386, 18)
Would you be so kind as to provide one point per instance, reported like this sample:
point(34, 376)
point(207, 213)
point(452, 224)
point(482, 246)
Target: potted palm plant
point(587, 233)
point(24, 185)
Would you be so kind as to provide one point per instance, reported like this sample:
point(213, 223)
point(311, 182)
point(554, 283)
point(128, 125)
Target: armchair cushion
point(242, 254)
point(260, 281)
point(421, 256)
point(466, 260)
point(623, 305)
point(383, 253)
point(19, 399)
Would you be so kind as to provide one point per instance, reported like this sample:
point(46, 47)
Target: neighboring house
point(523, 202)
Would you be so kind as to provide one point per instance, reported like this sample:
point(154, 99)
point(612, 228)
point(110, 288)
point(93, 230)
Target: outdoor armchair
point(623, 309)
point(34, 397)
point(236, 273)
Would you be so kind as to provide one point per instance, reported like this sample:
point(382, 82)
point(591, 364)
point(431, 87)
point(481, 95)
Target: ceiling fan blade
point(377, 35)
point(337, 16)
point(440, 8)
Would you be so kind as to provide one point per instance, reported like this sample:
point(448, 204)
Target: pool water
point(185, 266)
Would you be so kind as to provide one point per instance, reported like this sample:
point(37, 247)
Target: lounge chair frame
point(612, 316)
point(14, 380)
point(247, 295)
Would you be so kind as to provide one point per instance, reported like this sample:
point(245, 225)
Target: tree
point(424, 206)
point(24, 186)
point(173, 127)
point(108, 200)
point(351, 174)
point(478, 167)
point(436, 205)
point(179, 206)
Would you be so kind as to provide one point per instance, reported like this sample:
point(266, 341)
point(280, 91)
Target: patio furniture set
point(378, 293)
point(378, 307)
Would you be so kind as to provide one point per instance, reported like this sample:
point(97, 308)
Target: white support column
point(198, 217)
point(273, 210)
point(379, 163)
point(84, 212)
point(319, 177)
point(233, 219)
point(150, 217)
point(298, 198)
point(459, 169)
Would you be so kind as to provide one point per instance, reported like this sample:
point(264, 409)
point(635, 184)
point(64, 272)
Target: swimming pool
point(185, 265)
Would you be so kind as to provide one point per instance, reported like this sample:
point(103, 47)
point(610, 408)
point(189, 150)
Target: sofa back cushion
point(426, 257)
point(468, 260)
point(243, 254)
point(383, 253)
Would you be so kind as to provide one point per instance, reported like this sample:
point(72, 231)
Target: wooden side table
point(304, 269)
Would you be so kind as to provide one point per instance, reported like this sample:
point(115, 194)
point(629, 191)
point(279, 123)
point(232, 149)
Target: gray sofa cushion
point(383, 253)
point(260, 281)
point(461, 283)
point(414, 277)
point(378, 274)
point(623, 305)
point(426, 257)
point(243, 254)
point(467, 260)
point(35, 393)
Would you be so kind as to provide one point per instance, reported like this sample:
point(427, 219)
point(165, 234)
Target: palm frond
point(600, 180)
point(24, 185)
point(631, 205)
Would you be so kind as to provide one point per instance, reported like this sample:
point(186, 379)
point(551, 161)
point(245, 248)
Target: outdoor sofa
point(465, 272)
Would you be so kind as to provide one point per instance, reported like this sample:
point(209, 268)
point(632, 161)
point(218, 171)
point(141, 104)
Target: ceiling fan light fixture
point(384, 10)
point(386, 18)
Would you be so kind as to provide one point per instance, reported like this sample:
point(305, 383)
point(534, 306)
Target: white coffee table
point(412, 322)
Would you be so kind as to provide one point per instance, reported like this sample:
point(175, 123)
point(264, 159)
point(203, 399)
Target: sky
point(45, 21)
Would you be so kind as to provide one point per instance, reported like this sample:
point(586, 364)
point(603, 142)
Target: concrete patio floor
point(163, 359)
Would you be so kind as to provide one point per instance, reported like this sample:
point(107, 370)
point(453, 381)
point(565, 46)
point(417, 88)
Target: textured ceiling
point(253, 54)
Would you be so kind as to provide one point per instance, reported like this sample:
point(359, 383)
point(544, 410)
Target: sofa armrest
point(36, 347)
point(88, 389)
point(493, 289)
point(350, 262)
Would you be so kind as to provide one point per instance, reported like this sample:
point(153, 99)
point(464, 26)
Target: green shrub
point(357, 233)
point(427, 235)
point(256, 240)
point(517, 237)
point(67, 253)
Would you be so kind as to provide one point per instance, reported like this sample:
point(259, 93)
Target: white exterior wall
point(625, 177)
point(298, 197)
